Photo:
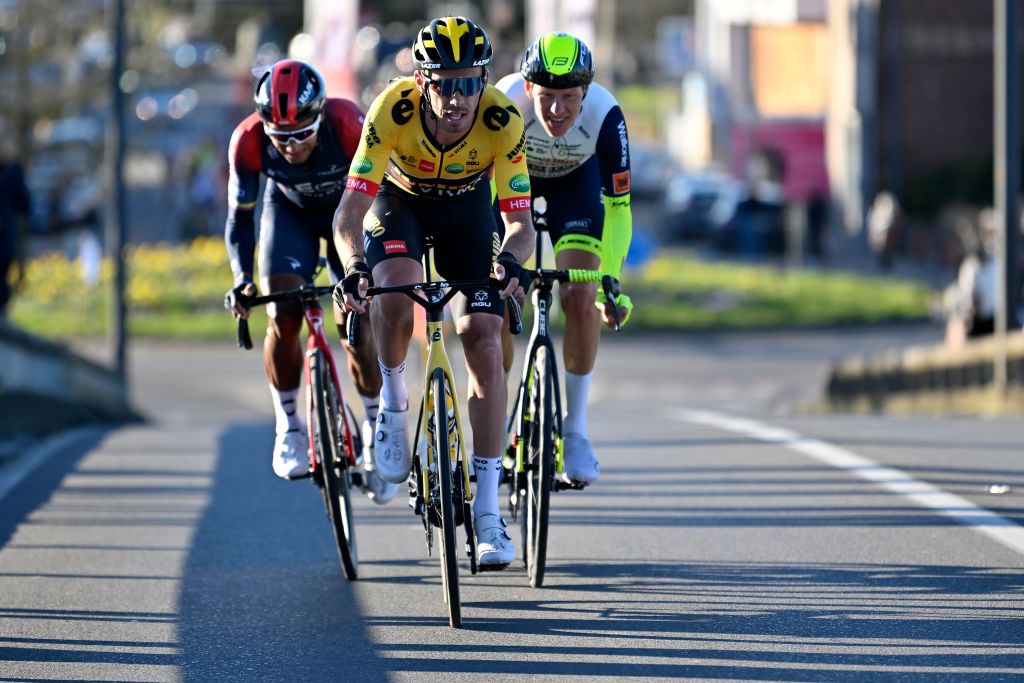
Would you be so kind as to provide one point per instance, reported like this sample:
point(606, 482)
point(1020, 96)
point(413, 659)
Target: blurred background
point(848, 135)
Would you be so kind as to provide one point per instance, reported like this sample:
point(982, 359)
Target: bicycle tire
point(540, 469)
point(333, 464)
point(446, 502)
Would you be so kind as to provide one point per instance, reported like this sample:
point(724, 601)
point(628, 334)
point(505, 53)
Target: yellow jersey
point(395, 142)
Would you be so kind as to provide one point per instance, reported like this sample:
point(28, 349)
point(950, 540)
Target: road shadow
point(747, 621)
point(263, 596)
point(37, 488)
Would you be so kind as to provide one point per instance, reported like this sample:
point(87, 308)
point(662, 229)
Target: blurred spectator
point(15, 207)
point(970, 302)
point(817, 223)
point(759, 219)
point(885, 218)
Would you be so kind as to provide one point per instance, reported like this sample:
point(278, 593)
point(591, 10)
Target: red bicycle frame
point(317, 341)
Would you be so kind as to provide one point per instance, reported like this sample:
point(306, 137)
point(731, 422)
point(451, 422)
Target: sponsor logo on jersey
point(426, 166)
point(624, 142)
point(363, 165)
point(496, 117)
point(620, 182)
point(359, 184)
point(395, 247)
point(517, 159)
point(319, 188)
point(581, 223)
point(371, 137)
point(403, 110)
point(518, 148)
point(515, 204)
point(454, 168)
point(520, 182)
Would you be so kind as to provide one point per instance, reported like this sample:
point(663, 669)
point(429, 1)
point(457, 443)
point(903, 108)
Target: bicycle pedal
point(562, 485)
point(357, 479)
point(308, 474)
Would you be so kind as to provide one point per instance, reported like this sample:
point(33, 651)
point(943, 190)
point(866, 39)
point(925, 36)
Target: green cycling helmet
point(558, 60)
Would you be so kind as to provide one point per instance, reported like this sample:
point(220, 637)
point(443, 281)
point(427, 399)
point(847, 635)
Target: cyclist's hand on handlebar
point(515, 279)
point(350, 293)
point(233, 299)
point(605, 306)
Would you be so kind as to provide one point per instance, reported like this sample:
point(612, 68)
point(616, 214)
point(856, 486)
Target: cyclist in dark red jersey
point(303, 142)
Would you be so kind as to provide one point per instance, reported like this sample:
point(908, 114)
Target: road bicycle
point(333, 444)
point(533, 460)
point(439, 481)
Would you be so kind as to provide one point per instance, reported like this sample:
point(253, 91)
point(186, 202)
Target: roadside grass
point(176, 292)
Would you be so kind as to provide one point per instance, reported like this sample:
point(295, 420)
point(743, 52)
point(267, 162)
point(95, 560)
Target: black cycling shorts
point(575, 209)
point(463, 231)
point(290, 238)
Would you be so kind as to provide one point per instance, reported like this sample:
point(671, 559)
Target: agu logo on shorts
point(520, 182)
point(395, 247)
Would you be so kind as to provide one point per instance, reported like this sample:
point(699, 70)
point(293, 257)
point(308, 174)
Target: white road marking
point(14, 473)
point(1000, 529)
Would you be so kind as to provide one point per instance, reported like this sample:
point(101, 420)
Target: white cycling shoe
point(493, 543)
point(579, 460)
point(389, 457)
point(291, 454)
point(376, 489)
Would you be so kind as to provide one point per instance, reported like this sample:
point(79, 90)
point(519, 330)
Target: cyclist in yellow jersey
point(429, 144)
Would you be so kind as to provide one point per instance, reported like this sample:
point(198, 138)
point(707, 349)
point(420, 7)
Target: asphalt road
point(734, 535)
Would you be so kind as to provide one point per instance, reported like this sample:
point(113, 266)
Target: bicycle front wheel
point(333, 464)
point(540, 467)
point(445, 496)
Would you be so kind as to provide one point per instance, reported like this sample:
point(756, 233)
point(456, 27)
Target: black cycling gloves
point(350, 283)
point(232, 298)
point(513, 270)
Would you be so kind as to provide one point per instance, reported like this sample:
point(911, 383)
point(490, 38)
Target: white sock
point(285, 409)
point(372, 404)
point(577, 389)
point(394, 395)
point(488, 474)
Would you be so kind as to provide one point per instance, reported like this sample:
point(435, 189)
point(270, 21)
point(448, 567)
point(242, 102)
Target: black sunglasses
point(447, 87)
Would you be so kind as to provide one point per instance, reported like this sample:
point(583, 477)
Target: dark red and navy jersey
point(315, 186)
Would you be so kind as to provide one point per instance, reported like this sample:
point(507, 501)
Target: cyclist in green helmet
point(577, 151)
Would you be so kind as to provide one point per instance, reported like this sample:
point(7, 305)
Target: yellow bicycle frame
point(437, 357)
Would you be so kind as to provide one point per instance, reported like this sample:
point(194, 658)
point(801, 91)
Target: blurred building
point(757, 100)
point(911, 103)
point(845, 98)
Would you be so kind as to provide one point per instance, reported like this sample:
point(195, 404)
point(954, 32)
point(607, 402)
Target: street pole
point(116, 221)
point(1007, 178)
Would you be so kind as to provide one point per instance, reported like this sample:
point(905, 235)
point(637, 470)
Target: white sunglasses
point(298, 135)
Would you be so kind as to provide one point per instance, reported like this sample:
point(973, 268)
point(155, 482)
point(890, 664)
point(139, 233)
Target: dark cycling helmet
point(451, 43)
point(558, 60)
point(290, 91)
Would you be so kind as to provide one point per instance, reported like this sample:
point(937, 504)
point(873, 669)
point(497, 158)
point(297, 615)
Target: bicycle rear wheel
point(333, 464)
point(445, 497)
point(540, 467)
